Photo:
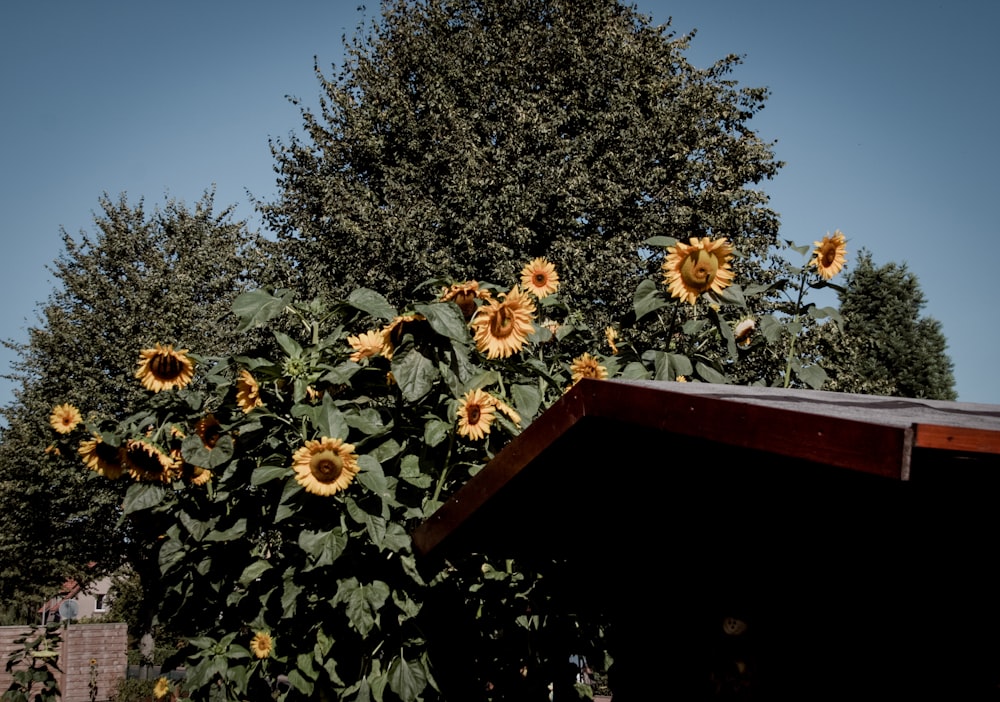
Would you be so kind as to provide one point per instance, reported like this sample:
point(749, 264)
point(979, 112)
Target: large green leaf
point(414, 373)
point(329, 420)
point(254, 571)
point(362, 602)
point(647, 299)
point(259, 306)
point(371, 302)
point(140, 496)
point(527, 400)
point(407, 678)
point(237, 530)
point(446, 319)
point(323, 547)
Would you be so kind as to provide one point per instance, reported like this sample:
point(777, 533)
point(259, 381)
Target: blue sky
point(881, 111)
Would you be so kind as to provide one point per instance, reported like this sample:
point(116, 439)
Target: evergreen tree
point(887, 347)
point(465, 137)
point(166, 277)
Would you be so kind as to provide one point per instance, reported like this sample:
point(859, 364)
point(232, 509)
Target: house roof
point(605, 443)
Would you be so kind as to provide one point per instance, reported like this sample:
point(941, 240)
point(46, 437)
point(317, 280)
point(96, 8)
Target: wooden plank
point(953, 438)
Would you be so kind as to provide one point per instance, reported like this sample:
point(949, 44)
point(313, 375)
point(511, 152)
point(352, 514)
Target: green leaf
point(732, 295)
point(446, 319)
point(814, 376)
point(234, 532)
point(373, 478)
point(771, 329)
point(635, 371)
point(258, 306)
point(527, 400)
point(265, 474)
point(329, 420)
point(647, 299)
point(667, 366)
point(409, 470)
point(140, 496)
point(436, 431)
point(371, 302)
point(289, 345)
point(362, 602)
point(254, 571)
point(709, 374)
point(407, 678)
point(300, 682)
point(414, 373)
point(323, 547)
point(290, 597)
point(367, 421)
point(663, 241)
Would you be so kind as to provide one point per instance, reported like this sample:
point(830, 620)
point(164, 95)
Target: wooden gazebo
point(756, 541)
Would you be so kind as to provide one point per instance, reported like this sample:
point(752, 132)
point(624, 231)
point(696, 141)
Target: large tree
point(464, 137)
point(139, 279)
point(887, 346)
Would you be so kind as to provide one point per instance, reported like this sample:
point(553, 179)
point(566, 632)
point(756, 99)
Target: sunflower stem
point(447, 467)
point(798, 312)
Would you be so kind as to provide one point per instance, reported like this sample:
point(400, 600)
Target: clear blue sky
point(882, 111)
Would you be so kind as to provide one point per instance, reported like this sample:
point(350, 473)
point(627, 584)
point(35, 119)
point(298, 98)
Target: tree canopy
point(140, 278)
point(889, 347)
point(463, 137)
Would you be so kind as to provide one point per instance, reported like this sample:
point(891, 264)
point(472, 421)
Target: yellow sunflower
point(65, 418)
point(262, 644)
point(365, 345)
point(163, 368)
point(392, 333)
point(102, 458)
point(247, 392)
point(698, 267)
point(465, 295)
point(744, 330)
point(506, 409)
point(197, 475)
point(144, 461)
point(830, 255)
point(161, 688)
point(325, 466)
point(612, 336)
point(540, 277)
point(586, 366)
point(476, 411)
point(208, 430)
point(502, 326)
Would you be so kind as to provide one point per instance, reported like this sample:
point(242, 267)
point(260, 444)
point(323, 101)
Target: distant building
point(92, 601)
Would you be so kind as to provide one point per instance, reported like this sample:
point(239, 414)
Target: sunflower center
point(144, 460)
point(829, 255)
point(106, 452)
point(472, 414)
point(502, 322)
point(540, 279)
point(699, 270)
point(166, 367)
point(326, 466)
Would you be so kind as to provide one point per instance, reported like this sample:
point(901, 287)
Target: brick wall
point(103, 643)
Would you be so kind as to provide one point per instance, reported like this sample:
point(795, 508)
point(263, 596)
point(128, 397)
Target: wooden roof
point(605, 443)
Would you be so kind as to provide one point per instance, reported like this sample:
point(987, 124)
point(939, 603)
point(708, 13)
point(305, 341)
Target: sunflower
point(465, 295)
point(698, 267)
point(208, 430)
point(161, 688)
point(612, 336)
point(262, 644)
point(162, 368)
point(502, 326)
point(325, 466)
point(744, 330)
point(506, 409)
point(830, 255)
point(586, 366)
point(144, 461)
point(540, 277)
point(476, 411)
point(392, 333)
point(65, 418)
point(197, 475)
point(247, 392)
point(102, 458)
point(365, 345)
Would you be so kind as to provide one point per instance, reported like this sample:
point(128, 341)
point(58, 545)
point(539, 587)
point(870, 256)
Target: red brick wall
point(103, 643)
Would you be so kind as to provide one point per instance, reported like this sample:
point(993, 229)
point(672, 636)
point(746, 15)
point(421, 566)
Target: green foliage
point(169, 275)
point(463, 138)
point(887, 347)
point(33, 666)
